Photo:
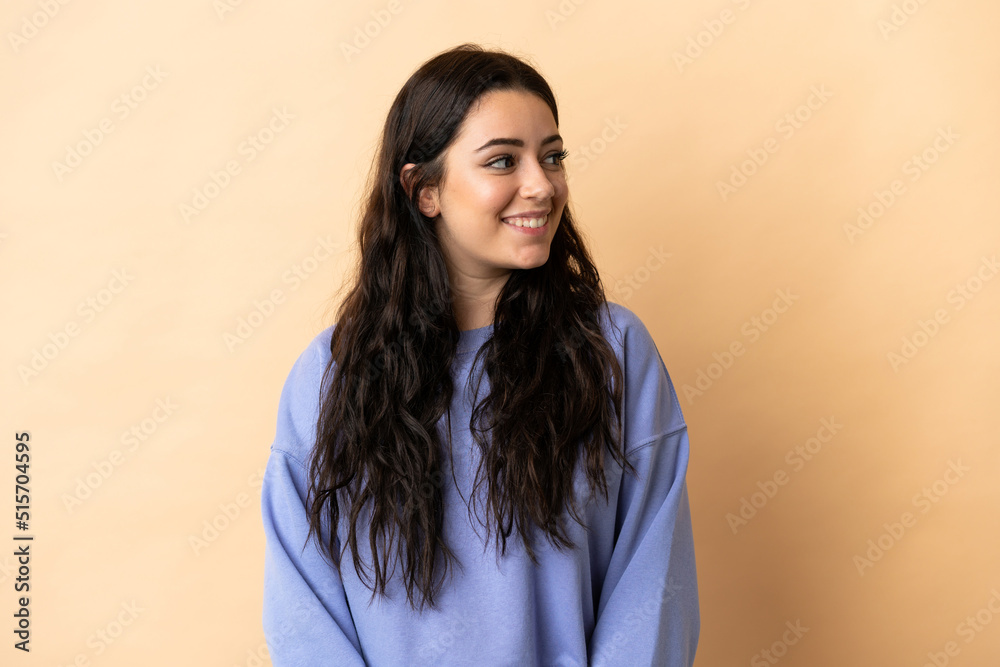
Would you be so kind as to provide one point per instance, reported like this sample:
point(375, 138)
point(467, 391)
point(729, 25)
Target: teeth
point(534, 223)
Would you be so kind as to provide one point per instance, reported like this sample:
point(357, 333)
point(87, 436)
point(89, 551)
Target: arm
point(648, 612)
point(306, 618)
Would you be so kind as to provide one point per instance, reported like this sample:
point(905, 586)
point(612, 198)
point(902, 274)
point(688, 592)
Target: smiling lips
point(531, 219)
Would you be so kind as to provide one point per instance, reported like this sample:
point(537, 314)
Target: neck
point(474, 300)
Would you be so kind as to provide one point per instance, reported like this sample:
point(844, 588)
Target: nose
point(535, 182)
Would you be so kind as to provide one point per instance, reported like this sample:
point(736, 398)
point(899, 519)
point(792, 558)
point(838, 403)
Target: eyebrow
point(503, 141)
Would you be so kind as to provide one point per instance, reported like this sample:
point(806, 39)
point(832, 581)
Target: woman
point(477, 378)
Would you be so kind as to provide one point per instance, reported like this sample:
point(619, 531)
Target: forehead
point(513, 114)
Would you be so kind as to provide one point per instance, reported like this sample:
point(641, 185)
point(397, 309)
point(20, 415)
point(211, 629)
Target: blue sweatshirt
point(626, 595)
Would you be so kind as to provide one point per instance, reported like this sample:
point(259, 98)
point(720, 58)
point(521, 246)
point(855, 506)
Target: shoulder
point(628, 335)
point(622, 326)
point(650, 402)
point(298, 409)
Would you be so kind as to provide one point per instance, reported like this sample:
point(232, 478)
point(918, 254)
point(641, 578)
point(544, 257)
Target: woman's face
point(503, 167)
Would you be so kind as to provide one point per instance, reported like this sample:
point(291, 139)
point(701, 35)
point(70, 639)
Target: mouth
point(530, 222)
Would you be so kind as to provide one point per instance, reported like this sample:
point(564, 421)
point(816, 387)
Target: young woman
point(478, 384)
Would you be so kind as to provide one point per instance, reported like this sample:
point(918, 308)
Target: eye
point(500, 159)
point(557, 158)
point(560, 156)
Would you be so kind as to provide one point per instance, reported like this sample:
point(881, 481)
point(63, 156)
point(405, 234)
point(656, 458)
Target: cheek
point(495, 197)
point(561, 188)
point(482, 198)
point(489, 192)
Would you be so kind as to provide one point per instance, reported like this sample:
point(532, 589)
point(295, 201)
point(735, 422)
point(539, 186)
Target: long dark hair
point(555, 382)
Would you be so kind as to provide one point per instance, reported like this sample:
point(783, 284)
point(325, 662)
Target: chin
point(535, 263)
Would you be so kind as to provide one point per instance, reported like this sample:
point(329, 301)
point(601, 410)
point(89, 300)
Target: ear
point(428, 200)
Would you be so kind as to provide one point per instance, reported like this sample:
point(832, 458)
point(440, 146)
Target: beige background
point(651, 133)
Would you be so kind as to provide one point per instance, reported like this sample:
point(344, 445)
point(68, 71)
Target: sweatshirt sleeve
point(648, 612)
point(306, 617)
